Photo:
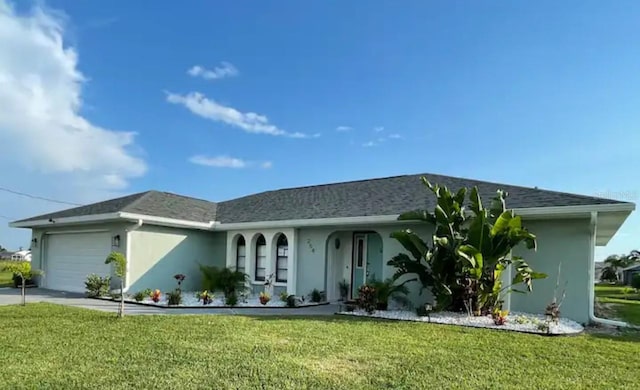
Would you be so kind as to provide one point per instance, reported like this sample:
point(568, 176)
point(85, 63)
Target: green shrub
point(635, 281)
point(387, 289)
point(316, 295)
point(283, 296)
point(367, 298)
point(292, 301)
point(140, 296)
point(231, 299)
point(174, 297)
point(97, 286)
point(225, 280)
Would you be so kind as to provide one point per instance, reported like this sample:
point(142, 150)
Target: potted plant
point(264, 298)
point(205, 297)
point(155, 296)
point(344, 287)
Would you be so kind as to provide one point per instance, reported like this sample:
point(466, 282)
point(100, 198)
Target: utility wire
point(38, 197)
point(7, 218)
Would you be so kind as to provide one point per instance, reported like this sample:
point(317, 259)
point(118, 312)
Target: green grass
point(625, 306)
point(50, 346)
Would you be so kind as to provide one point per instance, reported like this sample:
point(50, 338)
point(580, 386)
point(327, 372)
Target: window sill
point(280, 284)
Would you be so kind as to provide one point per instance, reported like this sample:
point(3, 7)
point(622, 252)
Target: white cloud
point(228, 162)
point(40, 95)
point(378, 129)
point(395, 136)
point(250, 122)
point(344, 128)
point(219, 72)
point(369, 144)
point(48, 147)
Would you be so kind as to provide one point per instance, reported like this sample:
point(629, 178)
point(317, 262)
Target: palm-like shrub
point(387, 289)
point(470, 248)
point(226, 280)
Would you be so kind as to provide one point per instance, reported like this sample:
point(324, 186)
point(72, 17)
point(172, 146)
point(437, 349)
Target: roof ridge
point(137, 200)
point(475, 181)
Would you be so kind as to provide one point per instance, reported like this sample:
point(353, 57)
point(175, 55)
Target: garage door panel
point(70, 258)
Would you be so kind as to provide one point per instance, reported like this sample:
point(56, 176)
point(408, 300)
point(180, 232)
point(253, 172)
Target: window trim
point(279, 245)
point(244, 257)
point(255, 266)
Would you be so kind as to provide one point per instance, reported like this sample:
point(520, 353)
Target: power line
point(38, 197)
point(7, 218)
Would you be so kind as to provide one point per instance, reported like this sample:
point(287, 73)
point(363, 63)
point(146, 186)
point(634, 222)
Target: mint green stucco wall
point(559, 241)
point(312, 249)
point(157, 253)
point(374, 256)
point(312, 254)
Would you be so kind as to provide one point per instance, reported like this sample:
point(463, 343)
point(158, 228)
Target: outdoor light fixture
point(115, 241)
point(34, 242)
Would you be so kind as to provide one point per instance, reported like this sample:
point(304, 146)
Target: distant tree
point(608, 274)
point(23, 270)
point(120, 267)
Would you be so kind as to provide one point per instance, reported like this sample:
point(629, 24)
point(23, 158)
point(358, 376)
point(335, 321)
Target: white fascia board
point(67, 220)
point(562, 211)
point(295, 223)
point(162, 221)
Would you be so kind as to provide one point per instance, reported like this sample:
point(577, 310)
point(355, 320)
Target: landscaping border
point(304, 305)
point(498, 328)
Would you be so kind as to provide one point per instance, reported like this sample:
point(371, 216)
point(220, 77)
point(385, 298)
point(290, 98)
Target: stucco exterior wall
point(314, 245)
point(271, 236)
point(559, 241)
point(157, 253)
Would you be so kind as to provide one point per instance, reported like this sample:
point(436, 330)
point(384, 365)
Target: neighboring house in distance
point(629, 272)
point(311, 237)
point(21, 256)
point(6, 255)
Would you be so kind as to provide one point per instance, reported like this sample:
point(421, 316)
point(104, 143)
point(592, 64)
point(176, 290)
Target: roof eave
point(113, 217)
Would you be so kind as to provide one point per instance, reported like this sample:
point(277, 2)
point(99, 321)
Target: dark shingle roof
point(384, 196)
point(155, 203)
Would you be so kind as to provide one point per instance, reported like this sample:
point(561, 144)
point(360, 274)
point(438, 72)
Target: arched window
point(241, 254)
point(282, 259)
point(261, 258)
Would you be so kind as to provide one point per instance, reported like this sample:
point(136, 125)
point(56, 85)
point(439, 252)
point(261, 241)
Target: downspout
point(592, 250)
point(128, 252)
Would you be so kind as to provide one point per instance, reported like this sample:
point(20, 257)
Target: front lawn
point(49, 346)
point(625, 306)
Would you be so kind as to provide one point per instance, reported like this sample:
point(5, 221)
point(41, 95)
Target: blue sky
point(536, 94)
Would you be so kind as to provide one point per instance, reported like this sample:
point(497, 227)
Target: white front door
point(70, 258)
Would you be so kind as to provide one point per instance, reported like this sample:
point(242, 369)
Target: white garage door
point(71, 257)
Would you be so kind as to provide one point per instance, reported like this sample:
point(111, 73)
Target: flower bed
point(190, 300)
point(517, 322)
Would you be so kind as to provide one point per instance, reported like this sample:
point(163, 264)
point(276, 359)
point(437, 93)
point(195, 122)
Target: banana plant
point(469, 250)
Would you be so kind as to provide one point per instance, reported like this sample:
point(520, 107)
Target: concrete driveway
point(11, 296)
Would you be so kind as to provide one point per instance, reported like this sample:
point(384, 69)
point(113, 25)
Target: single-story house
point(6, 255)
point(629, 273)
point(21, 256)
point(310, 237)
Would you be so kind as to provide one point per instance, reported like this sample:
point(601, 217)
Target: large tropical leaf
point(411, 242)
